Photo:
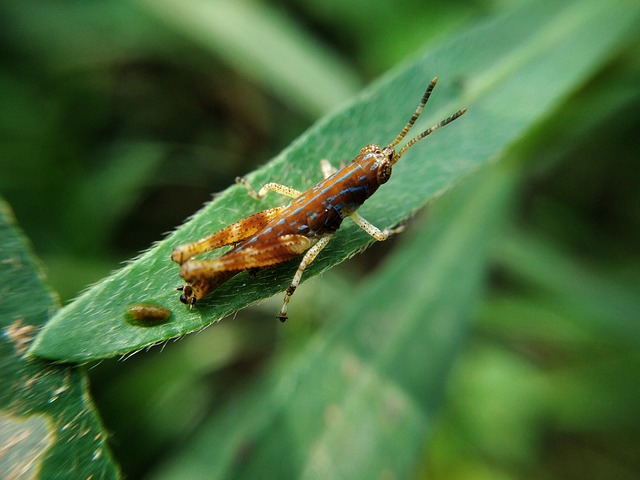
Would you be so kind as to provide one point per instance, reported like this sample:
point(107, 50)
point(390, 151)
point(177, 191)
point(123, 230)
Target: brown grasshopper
point(307, 224)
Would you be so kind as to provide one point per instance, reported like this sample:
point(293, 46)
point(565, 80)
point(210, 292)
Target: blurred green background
point(121, 118)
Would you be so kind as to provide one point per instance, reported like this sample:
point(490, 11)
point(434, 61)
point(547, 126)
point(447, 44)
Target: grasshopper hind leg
point(308, 258)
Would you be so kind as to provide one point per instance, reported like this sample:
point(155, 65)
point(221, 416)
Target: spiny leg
point(308, 258)
point(273, 187)
point(375, 232)
point(234, 233)
point(326, 168)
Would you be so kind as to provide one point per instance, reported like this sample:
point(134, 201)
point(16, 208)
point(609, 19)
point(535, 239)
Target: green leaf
point(359, 400)
point(48, 426)
point(511, 71)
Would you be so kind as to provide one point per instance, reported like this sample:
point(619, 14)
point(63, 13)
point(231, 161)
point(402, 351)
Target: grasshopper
point(304, 226)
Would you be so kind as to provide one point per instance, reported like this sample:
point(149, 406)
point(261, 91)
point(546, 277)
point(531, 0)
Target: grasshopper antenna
point(428, 131)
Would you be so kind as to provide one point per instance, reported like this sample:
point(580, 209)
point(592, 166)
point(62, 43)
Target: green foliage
point(48, 425)
point(498, 339)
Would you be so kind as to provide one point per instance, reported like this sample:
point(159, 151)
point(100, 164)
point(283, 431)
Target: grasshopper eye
point(384, 172)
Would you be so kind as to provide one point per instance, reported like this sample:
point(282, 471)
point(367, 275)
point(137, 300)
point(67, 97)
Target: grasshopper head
point(377, 162)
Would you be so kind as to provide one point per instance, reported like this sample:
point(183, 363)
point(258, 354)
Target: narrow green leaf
point(359, 400)
point(48, 426)
point(511, 71)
